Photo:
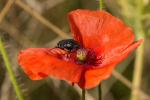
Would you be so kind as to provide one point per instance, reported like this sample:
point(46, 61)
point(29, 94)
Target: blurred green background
point(21, 28)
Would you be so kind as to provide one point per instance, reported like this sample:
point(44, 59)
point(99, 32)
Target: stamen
point(81, 55)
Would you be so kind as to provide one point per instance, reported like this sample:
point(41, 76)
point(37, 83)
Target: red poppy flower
point(104, 42)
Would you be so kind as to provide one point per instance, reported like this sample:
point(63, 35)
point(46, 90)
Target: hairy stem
point(10, 71)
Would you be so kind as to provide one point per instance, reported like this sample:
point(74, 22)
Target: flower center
point(81, 55)
point(87, 57)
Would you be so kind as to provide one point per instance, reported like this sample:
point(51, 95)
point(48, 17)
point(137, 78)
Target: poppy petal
point(99, 29)
point(119, 55)
point(94, 75)
point(39, 63)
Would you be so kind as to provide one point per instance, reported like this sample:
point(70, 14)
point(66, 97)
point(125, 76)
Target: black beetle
point(68, 45)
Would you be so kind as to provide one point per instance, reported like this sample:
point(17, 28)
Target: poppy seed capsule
point(81, 55)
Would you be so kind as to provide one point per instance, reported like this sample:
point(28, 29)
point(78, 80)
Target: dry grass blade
point(5, 93)
point(6, 9)
point(125, 81)
point(139, 60)
point(41, 19)
point(128, 84)
point(15, 34)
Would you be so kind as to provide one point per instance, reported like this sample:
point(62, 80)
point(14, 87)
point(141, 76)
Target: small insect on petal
point(68, 45)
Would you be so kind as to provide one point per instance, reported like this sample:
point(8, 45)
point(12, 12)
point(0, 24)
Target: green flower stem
point(10, 71)
point(101, 4)
point(99, 92)
point(83, 94)
point(99, 87)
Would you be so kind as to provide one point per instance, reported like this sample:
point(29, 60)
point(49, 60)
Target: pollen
point(82, 55)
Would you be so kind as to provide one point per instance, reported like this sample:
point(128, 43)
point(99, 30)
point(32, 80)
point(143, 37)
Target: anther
point(82, 55)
